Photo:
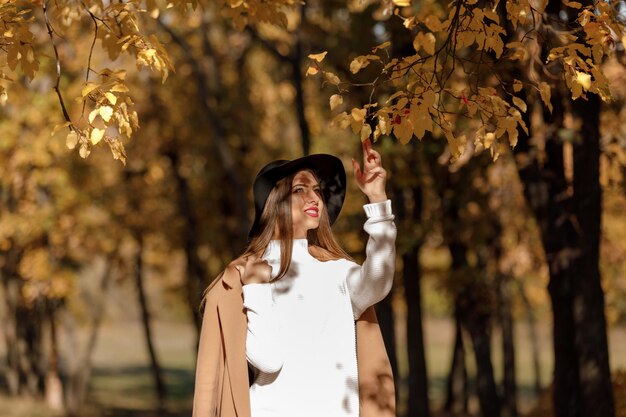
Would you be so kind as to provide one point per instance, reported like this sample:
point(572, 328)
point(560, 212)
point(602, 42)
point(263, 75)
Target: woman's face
point(306, 203)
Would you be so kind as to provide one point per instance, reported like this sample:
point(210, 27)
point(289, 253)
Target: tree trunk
point(456, 389)
point(569, 216)
point(80, 370)
point(505, 318)
point(53, 384)
point(546, 191)
point(296, 67)
point(22, 327)
point(223, 153)
point(485, 382)
point(591, 338)
point(474, 317)
point(29, 322)
point(294, 61)
point(197, 274)
point(384, 312)
point(9, 325)
point(409, 211)
point(534, 339)
point(145, 319)
point(418, 379)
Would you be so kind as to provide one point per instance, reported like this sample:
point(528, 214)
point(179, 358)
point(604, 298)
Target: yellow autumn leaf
point(492, 15)
point(517, 86)
point(359, 63)
point(402, 102)
point(96, 135)
point(383, 124)
point(111, 97)
point(546, 94)
point(358, 114)
point(520, 104)
point(3, 98)
point(496, 44)
point(403, 130)
point(12, 57)
point(318, 57)
point(429, 43)
point(402, 3)
point(119, 88)
point(428, 98)
point(331, 78)
point(381, 46)
point(572, 4)
point(433, 23)
point(88, 88)
point(409, 22)
point(106, 112)
point(342, 120)
point(464, 39)
point(71, 140)
point(311, 71)
point(366, 131)
point(421, 120)
point(59, 127)
point(84, 151)
point(425, 41)
point(335, 101)
point(488, 140)
point(93, 114)
point(584, 80)
point(456, 144)
point(516, 51)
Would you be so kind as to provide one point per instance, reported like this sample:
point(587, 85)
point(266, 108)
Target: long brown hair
point(276, 217)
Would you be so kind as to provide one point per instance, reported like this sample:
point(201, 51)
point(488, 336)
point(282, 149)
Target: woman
point(286, 309)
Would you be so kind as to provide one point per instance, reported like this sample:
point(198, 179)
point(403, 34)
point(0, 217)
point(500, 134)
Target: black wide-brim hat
point(328, 169)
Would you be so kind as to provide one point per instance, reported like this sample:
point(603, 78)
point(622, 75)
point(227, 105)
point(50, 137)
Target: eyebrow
point(300, 184)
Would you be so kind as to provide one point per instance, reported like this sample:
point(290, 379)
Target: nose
point(313, 197)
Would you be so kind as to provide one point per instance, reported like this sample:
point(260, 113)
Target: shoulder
point(234, 265)
point(223, 281)
point(322, 254)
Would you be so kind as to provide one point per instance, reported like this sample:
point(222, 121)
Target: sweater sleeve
point(263, 348)
point(371, 282)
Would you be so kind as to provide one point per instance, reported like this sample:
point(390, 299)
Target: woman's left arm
point(371, 282)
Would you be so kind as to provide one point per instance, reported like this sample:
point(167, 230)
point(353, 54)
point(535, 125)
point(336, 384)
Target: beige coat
point(222, 385)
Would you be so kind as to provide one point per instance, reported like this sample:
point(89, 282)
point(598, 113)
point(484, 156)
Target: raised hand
point(256, 271)
point(372, 178)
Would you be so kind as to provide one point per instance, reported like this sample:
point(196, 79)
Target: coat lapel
point(234, 328)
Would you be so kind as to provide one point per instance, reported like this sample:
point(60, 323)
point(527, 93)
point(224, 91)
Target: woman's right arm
point(262, 340)
point(263, 348)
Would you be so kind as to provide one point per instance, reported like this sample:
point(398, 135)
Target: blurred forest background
point(510, 295)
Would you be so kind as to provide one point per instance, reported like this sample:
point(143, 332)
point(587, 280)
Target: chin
point(314, 226)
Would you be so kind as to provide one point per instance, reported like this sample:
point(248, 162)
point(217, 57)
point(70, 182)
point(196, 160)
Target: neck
point(296, 235)
point(300, 251)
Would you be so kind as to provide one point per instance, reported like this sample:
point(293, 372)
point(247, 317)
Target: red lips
point(312, 211)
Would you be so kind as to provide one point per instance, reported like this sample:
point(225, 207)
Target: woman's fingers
point(377, 171)
point(357, 169)
point(256, 270)
point(370, 156)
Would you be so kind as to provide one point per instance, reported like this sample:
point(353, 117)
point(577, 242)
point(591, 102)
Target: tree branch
point(58, 66)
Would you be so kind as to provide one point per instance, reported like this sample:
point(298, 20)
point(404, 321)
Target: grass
point(122, 378)
point(121, 384)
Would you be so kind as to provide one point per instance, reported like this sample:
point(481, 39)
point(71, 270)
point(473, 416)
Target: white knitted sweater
point(301, 334)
